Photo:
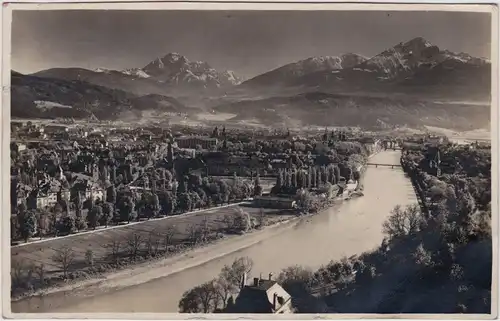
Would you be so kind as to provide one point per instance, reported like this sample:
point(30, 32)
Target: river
point(351, 228)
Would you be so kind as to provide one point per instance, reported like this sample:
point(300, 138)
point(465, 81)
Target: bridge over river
point(351, 228)
point(383, 165)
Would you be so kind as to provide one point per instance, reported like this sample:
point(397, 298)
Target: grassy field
point(99, 241)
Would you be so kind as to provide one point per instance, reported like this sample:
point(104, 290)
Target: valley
point(412, 84)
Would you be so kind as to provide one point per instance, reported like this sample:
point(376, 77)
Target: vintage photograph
point(238, 161)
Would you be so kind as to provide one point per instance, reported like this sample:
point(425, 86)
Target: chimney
point(256, 281)
point(244, 280)
point(270, 276)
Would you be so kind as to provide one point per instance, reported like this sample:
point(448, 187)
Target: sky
point(249, 43)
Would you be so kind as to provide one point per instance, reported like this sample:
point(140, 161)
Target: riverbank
point(154, 268)
point(266, 247)
point(147, 271)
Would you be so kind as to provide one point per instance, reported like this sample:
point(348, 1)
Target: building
point(274, 202)
point(263, 296)
point(17, 147)
point(351, 185)
point(48, 194)
point(16, 125)
point(194, 141)
point(87, 188)
point(53, 129)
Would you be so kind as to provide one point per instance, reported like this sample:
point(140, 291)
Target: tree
point(40, 272)
point(134, 243)
point(185, 202)
point(224, 290)
point(318, 178)
point(27, 226)
point(182, 188)
point(141, 205)
point(288, 179)
point(114, 246)
point(306, 201)
point(224, 191)
point(168, 236)
point(403, 222)
point(203, 197)
point(242, 221)
point(89, 257)
point(261, 218)
point(257, 189)
point(279, 179)
point(112, 175)
point(195, 181)
point(43, 223)
point(309, 178)
point(78, 206)
point(94, 216)
point(296, 280)
point(215, 132)
point(422, 257)
point(66, 225)
point(234, 274)
point(168, 202)
point(65, 257)
point(155, 205)
point(107, 213)
point(337, 174)
point(126, 208)
point(195, 200)
point(14, 228)
point(80, 223)
point(294, 179)
point(200, 299)
point(193, 234)
point(111, 194)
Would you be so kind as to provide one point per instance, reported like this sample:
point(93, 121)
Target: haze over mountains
point(396, 87)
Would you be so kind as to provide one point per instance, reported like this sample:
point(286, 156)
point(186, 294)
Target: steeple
point(170, 153)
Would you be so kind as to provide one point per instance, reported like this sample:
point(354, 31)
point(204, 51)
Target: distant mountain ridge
point(38, 97)
point(164, 75)
point(174, 68)
point(290, 72)
point(413, 66)
point(326, 109)
point(405, 83)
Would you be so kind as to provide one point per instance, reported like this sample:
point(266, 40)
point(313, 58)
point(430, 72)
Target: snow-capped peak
point(101, 70)
point(177, 69)
point(136, 72)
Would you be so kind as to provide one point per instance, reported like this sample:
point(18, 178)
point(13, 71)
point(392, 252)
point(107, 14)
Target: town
point(66, 179)
point(70, 179)
point(238, 161)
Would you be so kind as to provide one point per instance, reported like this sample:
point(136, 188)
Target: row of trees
point(126, 205)
point(312, 177)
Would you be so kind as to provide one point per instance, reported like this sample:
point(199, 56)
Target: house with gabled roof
point(263, 296)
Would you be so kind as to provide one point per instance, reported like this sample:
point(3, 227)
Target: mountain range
point(415, 69)
point(37, 97)
point(172, 73)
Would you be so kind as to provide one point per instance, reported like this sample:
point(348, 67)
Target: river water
point(350, 228)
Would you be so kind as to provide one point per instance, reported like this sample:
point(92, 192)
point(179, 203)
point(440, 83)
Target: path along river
point(351, 228)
